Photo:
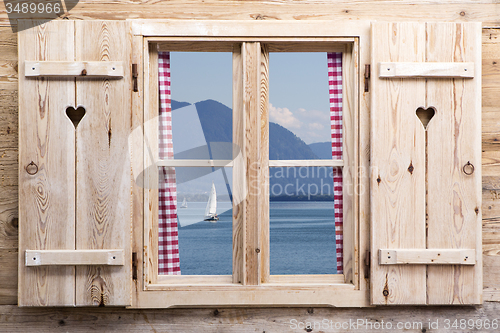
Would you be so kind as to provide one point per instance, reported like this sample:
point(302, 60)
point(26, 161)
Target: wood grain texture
point(8, 276)
point(427, 257)
point(454, 198)
point(47, 137)
point(239, 170)
point(459, 11)
point(73, 257)
point(137, 163)
point(398, 165)
point(151, 172)
point(8, 44)
point(363, 172)
point(264, 211)
point(426, 69)
point(9, 218)
point(366, 10)
point(350, 120)
point(224, 319)
point(103, 163)
point(251, 57)
point(113, 69)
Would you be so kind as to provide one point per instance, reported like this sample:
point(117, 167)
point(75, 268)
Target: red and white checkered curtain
point(335, 85)
point(168, 240)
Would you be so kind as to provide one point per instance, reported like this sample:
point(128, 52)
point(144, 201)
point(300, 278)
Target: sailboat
point(184, 204)
point(210, 211)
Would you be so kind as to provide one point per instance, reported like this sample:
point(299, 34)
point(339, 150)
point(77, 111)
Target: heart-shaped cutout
point(425, 115)
point(75, 115)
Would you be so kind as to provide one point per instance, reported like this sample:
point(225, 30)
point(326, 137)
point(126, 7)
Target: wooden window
point(250, 174)
point(411, 186)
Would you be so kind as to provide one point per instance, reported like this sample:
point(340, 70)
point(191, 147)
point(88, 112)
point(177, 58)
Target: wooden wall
point(261, 320)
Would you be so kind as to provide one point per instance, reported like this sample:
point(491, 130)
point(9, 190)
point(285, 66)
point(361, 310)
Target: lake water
point(302, 236)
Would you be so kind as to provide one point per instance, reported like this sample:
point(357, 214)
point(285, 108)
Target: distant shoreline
point(281, 198)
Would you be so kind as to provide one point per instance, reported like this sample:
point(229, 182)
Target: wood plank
point(306, 163)
point(425, 69)
point(250, 295)
point(426, 257)
point(398, 165)
point(103, 164)
point(73, 257)
point(9, 222)
point(235, 319)
point(112, 69)
point(491, 260)
point(485, 11)
point(363, 172)
point(239, 170)
point(264, 28)
point(263, 173)
point(151, 172)
point(454, 198)
point(47, 137)
point(8, 44)
point(8, 74)
point(350, 121)
point(251, 57)
point(8, 276)
point(137, 163)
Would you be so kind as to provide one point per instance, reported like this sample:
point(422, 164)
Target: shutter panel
point(426, 177)
point(80, 198)
point(103, 163)
point(47, 198)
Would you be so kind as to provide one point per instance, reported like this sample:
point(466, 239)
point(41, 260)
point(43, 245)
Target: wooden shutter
point(426, 182)
point(75, 198)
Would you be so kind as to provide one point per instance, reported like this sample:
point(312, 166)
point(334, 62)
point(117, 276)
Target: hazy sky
point(298, 91)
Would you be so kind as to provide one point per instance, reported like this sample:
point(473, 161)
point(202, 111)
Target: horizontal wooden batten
point(74, 257)
point(426, 69)
point(254, 28)
point(306, 163)
point(195, 163)
point(426, 257)
point(113, 69)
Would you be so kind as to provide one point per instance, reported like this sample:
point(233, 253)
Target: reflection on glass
point(302, 223)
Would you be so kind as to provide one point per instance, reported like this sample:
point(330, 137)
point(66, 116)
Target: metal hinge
point(134, 265)
point(367, 77)
point(367, 261)
point(135, 75)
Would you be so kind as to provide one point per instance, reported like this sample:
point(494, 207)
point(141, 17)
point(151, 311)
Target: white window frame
point(257, 287)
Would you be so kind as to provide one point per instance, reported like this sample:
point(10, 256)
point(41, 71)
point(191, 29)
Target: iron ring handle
point(468, 168)
point(28, 168)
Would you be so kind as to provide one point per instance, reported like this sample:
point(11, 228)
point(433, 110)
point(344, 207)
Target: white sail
point(210, 211)
point(184, 203)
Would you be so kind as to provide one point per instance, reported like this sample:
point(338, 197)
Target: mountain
point(177, 105)
point(299, 183)
point(284, 145)
point(323, 150)
point(216, 120)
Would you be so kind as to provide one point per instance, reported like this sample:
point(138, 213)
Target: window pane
point(299, 110)
point(201, 89)
point(205, 247)
point(302, 221)
point(195, 219)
